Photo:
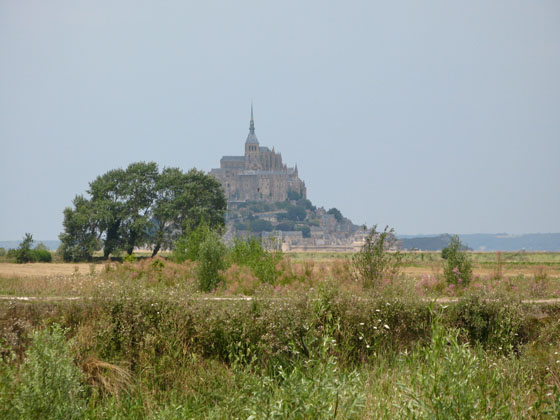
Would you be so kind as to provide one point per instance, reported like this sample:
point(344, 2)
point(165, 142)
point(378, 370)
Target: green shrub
point(211, 257)
point(260, 225)
point(314, 387)
point(23, 252)
point(305, 231)
point(457, 269)
point(48, 384)
point(2, 252)
point(130, 258)
point(41, 255)
point(495, 324)
point(250, 253)
point(187, 246)
point(450, 380)
point(378, 258)
point(336, 213)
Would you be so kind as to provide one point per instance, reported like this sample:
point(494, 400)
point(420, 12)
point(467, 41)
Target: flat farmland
point(532, 275)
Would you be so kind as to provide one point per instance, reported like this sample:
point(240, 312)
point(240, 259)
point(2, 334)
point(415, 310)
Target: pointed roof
point(252, 138)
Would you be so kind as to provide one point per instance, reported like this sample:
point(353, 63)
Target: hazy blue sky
point(429, 116)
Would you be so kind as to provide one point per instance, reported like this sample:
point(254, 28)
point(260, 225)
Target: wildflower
point(361, 323)
point(386, 326)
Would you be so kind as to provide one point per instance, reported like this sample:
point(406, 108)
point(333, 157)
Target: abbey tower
point(259, 175)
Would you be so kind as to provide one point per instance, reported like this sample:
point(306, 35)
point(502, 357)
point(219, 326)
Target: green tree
point(305, 231)
point(184, 202)
point(138, 189)
point(294, 195)
point(379, 258)
point(297, 213)
point(260, 225)
point(122, 200)
point(24, 253)
point(457, 269)
point(205, 201)
point(336, 213)
point(81, 234)
point(187, 246)
point(211, 259)
point(139, 206)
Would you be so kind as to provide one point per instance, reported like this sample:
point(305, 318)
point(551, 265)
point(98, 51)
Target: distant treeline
point(487, 242)
point(49, 244)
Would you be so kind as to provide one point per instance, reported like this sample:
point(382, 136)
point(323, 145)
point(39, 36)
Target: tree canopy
point(139, 206)
point(336, 213)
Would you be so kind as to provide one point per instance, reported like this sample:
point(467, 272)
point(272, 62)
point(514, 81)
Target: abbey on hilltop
point(259, 175)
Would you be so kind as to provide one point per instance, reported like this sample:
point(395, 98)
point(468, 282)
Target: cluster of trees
point(337, 214)
point(24, 253)
point(140, 207)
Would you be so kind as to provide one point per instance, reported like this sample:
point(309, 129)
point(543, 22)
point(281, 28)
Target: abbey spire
point(252, 138)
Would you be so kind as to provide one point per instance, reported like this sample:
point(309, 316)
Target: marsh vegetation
point(313, 341)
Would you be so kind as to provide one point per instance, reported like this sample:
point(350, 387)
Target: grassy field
point(529, 275)
point(314, 344)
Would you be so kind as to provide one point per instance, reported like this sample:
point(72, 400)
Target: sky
point(430, 117)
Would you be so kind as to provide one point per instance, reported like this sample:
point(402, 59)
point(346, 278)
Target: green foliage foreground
point(144, 354)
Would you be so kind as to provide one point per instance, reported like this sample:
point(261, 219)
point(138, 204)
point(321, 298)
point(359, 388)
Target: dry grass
point(47, 269)
point(424, 276)
point(108, 378)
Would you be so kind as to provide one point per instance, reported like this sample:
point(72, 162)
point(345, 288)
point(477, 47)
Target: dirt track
point(442, 300)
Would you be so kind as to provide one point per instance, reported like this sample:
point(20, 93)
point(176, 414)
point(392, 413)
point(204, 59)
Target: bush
point(336, 213)
point(41, 255)
point(23, 252)
point(294, 195)
point(211, 255)
point(187, 246)
point(48, 384)
point(285, 226)
point(496, 324)
point(450, 380)
point(260, 225)
point(297, 213)
point(250, 253)
point(305, 231)
point(131, 258)
point(458, 266)
point(308, 205)
point(2, 252)
point(375, 262)
point(316, 388)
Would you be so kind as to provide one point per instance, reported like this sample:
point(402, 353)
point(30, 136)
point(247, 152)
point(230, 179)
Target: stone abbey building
point(259, 175)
